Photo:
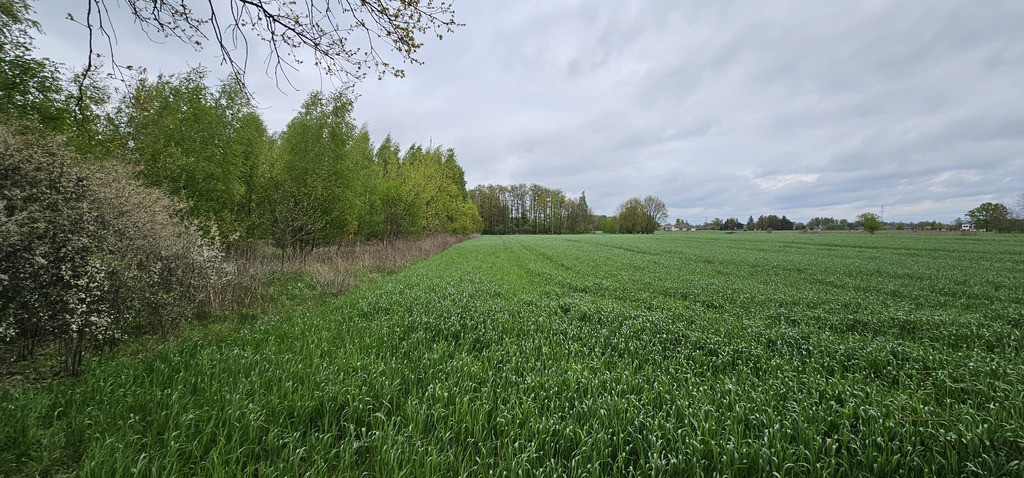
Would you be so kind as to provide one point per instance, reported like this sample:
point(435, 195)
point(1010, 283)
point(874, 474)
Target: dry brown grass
point(336, 269)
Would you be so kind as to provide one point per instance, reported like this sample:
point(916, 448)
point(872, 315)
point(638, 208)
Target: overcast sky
point(802, 108)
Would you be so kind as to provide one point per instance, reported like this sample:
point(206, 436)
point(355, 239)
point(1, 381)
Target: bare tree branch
point(291, 29)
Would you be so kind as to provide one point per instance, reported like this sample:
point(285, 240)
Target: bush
point(89, 256)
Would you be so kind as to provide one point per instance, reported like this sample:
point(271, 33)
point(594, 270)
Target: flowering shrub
point(88, 255)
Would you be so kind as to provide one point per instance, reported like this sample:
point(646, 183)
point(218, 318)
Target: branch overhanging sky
point(722, 109)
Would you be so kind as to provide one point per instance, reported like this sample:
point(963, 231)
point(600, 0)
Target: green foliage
point(530, 209)
point(990, 216)
point(634, 218)
point(31, 89)
point(435, 180)
point(325, 183)
point(682, 355)
point(610, 225)
point(200, 145)
point(772, 222)
point(870, 222)
point(16, 26)
point(579, 216)
point(400, 213)
point(637, 215)
point(732, 224)
point(828, 224)
point(253, 146)
point(312, 197)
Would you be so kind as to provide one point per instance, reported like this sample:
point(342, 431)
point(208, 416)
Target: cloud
point(722, 109)
point(773, 183)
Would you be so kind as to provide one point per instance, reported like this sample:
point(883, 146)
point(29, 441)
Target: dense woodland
point(531, 209)
point(319, 181)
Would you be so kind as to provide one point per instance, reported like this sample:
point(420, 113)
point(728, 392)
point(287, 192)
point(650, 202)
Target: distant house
point(669, 227)
point(967, 226)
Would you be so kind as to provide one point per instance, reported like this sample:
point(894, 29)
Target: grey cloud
point(721, 108)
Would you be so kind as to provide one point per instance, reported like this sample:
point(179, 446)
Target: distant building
point(967, 226)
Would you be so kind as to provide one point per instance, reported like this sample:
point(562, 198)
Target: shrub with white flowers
point(88, 255)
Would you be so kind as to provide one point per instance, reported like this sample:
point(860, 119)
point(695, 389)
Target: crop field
point(665, 355)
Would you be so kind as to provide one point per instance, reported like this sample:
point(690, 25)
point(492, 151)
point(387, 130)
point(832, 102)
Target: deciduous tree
point(655, 208)
point(636, 218)
point(870, 222)
point(201, 145)
point(31, 89)
point(989, 216)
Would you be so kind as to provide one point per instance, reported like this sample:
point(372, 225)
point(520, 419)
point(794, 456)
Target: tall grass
point(255, 266)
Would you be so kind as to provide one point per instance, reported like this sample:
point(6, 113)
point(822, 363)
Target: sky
point(724, 108)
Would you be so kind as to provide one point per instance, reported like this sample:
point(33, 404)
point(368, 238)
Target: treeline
point(319, 181)
point(762, 223)
point(994, 217)
point(772, 222)
point(833, 224)
point(535, 209)
point(531, 209)
point(116, 204)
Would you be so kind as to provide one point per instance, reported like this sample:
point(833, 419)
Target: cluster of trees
point(867, 221)
point(606, 224)
point(319, 181)
point(116, 203)
point(535, 209)
point(640, 216)
point(988, 216)
point(998, 217)
point(683, 224)
point(763, 223)
point(829, 224)
point(833, 224)
point(634, 216)
point(530, 209)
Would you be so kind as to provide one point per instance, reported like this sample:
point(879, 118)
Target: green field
point(664, 355)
